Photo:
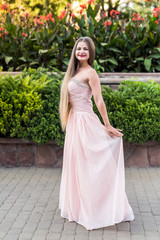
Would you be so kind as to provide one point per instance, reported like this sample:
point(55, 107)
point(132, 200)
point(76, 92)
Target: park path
point(29, 207)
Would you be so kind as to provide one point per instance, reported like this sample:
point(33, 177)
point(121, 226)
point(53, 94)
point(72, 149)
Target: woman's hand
point(113, 131)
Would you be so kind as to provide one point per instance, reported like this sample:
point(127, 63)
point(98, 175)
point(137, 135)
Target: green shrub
point(135, 109)
point(29, 107)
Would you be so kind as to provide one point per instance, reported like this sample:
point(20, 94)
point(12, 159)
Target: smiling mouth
point(81, 55)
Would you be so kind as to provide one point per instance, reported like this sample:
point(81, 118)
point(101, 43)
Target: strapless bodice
point(80, 96)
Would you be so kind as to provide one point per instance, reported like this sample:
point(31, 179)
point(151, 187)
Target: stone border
point(142, 155)
point(116, 78)
point(16, 152)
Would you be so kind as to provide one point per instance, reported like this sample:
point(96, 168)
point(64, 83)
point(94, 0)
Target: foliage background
point(124, 43)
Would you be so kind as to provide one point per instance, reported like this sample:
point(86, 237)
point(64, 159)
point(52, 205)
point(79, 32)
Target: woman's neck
point(83, 65)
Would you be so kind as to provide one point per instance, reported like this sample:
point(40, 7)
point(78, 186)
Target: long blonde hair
point(64, 107)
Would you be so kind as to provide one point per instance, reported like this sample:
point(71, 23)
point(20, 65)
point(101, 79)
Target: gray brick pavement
point(29, 207)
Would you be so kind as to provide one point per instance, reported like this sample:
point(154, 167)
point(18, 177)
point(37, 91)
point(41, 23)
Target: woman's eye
point(78, 49)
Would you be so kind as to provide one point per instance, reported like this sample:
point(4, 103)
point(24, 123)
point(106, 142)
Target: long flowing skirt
point(92, 190)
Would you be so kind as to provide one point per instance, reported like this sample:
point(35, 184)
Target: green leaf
point(37, 37)
point(41, 51)
point(8, 59)
point(112, 60)
point(156, 55)
point(138, 59)
point(66, 62)
point(104, 44)
point(158, 68)
point(147, 63)
point(82, 22)
point(23, 59)
point(114, 50)
point(91, 28)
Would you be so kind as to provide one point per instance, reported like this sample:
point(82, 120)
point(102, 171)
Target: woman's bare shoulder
point(91, 72)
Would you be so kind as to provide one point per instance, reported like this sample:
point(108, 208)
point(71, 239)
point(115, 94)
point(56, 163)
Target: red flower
point(90, 2)
point(83, 6)
point(67, 5)
point(26, 14)
point(38, 21)
point(156, 21)
point(156, 12)
point(114, 13)
point(63, 13)
point(49, 15)
point(136, 17)
point(41, 17)
point(1, 28)
point(105, 14)
point(4, 6)
point(107, 23)
point(52, 19)
point(73, 15)
point(0, 35)
point(6, 32)
point(24, 34)
point(14, 12)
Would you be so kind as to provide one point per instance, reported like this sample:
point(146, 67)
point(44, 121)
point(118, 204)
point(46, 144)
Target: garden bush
point(29, 107)
point(135, 108)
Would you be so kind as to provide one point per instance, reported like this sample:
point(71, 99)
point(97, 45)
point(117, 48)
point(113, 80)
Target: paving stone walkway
point(29, 207)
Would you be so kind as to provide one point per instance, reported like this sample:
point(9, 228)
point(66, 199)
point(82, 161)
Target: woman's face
point(82, 52)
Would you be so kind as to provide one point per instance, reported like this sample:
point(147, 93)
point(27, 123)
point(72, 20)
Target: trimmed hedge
point(135, 108)
point(29, 107)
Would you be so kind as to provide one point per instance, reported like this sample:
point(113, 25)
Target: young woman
point(92, 191)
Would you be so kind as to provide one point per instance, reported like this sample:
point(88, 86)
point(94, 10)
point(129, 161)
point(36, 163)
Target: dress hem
point(105, 225)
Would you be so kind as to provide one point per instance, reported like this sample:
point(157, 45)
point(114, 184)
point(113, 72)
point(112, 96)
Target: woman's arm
point(94, 83)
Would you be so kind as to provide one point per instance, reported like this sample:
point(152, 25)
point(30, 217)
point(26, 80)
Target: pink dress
point(92, 190)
